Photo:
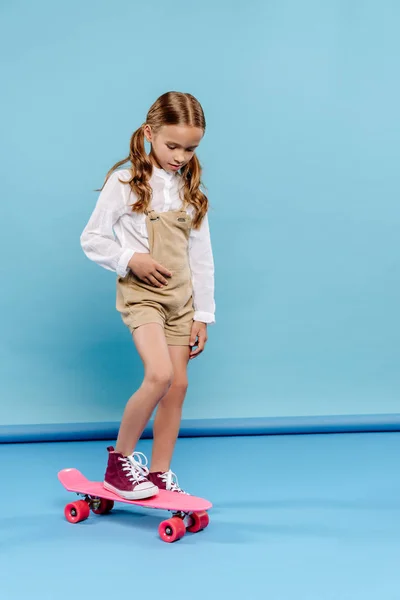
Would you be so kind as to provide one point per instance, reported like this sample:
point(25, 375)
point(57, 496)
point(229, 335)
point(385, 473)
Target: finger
point(202, 336)
point(195, 353)
point(193, 338)
point(154, 281)
point(202, 342)
point(163, 270)
point(159, 277)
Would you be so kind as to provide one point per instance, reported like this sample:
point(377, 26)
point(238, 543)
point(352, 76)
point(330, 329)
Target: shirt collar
point(163, 174)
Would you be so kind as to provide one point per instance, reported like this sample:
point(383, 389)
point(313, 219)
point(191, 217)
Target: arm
point(202, 267)
point(98, 240)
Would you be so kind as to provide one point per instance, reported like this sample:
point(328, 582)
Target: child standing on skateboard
point(150, 226)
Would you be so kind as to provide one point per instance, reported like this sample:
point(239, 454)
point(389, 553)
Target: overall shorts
point(140, 303)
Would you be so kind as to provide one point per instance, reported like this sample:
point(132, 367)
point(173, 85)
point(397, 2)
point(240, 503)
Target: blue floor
point(294, 517)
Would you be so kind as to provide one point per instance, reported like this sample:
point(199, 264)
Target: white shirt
point(114, 233)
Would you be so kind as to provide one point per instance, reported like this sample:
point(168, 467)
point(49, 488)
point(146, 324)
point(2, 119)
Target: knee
point(180, 384)
point(176, 396)
point(161, 379)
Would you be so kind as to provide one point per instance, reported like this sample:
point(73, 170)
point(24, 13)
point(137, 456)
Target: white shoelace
point(135, 467)
point(171, 482)
point(139, 461)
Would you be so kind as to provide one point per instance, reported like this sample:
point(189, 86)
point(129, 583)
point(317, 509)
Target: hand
point(198, 339)
point(148, 270)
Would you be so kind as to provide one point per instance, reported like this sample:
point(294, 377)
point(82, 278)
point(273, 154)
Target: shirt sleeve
point(202, 267)
point(97, 239)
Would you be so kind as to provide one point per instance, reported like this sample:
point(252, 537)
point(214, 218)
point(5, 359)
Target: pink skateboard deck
point(189, 512)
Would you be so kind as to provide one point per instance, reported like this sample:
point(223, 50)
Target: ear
point(148, 134)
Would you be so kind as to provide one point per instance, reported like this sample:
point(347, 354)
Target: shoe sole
point(138, 495)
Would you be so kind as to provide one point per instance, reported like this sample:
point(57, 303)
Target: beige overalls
point(171, 306)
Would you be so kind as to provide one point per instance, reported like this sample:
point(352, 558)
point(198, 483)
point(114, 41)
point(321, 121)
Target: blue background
point(301, 165)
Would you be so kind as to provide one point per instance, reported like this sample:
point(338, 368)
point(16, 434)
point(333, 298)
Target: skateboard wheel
point(105, 507)
point(77, 511)
point(172, 530)
point(200, 520)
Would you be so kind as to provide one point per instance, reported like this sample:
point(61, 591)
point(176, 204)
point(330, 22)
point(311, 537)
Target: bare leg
point(169, 411)
point(153, 350)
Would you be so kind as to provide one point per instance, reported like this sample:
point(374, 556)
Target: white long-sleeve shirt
point(114, 233)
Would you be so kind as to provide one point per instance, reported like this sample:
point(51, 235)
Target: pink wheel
point(105, 507)
point(200, 521)
point(172, 530)
point(77, 511)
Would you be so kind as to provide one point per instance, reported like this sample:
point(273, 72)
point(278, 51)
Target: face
point(173, 146)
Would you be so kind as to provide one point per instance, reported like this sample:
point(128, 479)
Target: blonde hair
point(172, 108)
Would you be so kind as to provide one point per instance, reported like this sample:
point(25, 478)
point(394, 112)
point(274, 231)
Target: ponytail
point(192, 194)
point(141, 171)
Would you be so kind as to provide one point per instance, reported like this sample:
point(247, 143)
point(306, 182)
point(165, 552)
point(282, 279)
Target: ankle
point(121, 450)
point(159, 468)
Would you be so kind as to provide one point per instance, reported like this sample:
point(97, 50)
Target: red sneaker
point(126, 477)
point(166, 481)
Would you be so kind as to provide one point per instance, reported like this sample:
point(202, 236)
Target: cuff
point(204, 317)
point(122, 265)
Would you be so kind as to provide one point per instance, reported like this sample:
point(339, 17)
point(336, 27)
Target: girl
point(150, 226)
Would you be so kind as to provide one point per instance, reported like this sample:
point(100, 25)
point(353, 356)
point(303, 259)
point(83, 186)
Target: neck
point(154, 161)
